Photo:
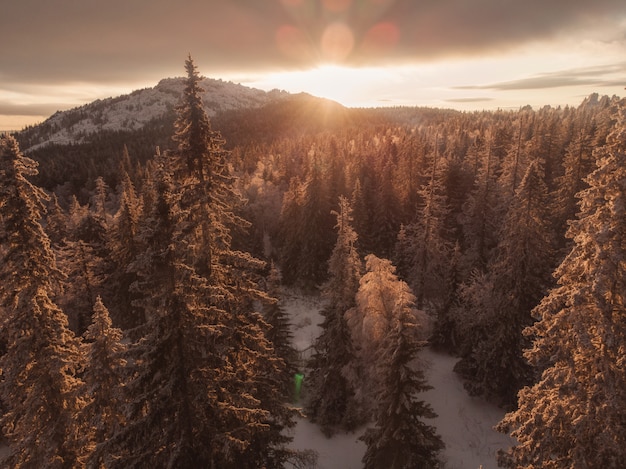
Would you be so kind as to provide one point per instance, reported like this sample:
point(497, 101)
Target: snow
point(305, 316)
point(342, 451)
point(135, 110)
point(465, 423)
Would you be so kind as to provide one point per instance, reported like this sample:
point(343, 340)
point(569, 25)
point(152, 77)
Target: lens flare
point(337, 42)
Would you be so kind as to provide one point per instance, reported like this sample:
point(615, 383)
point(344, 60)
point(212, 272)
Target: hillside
point(90, 140)
point(135, 110)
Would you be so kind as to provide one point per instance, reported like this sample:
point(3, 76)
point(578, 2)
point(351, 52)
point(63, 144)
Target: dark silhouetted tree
point(40, 386)
point(331, 395)
point(492, 360)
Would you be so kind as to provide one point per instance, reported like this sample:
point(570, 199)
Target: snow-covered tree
point(104, 379)
point(84, 278)
point(516, 160)
point(330, 394)
point(492, 360)
point(422, 248)
point(370, 321)
point(56, 221)
point(386, 333)
point(39, 386)
point(575, 415)
point(124, 247)
point(577, 164)
point(206, 389)
point(84, 259)
point(401, 438)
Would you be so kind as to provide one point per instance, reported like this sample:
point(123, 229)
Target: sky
point(459, 54)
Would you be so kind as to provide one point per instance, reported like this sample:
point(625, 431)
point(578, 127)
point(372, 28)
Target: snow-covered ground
point(465, 423)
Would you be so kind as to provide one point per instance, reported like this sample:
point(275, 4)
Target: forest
point(140, 308)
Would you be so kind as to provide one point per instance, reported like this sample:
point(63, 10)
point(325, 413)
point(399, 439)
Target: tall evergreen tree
point(315, 226)
point(279, 333)
point(385, 328)
point(206, 385)
point(290, 237)
point(401, 439)
point(479, 220)
point(40, 386)
point(423, 250)
point(331, 395)
point(492, 362)
point(124, 247)
point(104, 381)
point(575, 415)
point(577, 165)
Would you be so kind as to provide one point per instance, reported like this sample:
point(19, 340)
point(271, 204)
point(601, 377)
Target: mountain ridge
point(132, 111)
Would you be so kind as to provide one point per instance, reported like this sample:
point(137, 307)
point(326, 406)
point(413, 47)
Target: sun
point(350, 86)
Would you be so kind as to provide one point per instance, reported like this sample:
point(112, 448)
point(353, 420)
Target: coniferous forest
point(141, 277)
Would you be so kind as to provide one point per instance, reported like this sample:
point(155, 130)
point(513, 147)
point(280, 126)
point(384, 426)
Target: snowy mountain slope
point(465, 423)
point(134, 110)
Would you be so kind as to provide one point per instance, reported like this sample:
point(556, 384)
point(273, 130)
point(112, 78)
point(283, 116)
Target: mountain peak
point(134, 110)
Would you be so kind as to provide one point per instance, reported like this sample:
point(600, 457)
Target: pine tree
point(401, 439)
point(208, 196)
point(385, 327)
point(479, 220)
point(206, 389)
point(84, 278)
point(104, 380)
point(279, 333)
point(124, 247)
point(515, 162)
point(171, 408)
point(492, 359)
point(315, 227)
point(577, 164)
point(290, 237)
point(386, 212)
point(84, 258)
point(40, 386)
point(422, 249)
point(56, 222)
point(331, 395)
point(575, 415)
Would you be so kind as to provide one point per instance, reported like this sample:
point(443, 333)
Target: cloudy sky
point(462, 54)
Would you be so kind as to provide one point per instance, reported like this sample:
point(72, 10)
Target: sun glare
point(345, 85)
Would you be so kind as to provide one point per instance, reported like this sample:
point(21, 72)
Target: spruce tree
point(56, 222)
point(331, 399)
point(40, 387)
point(494, 318)
point(386, 332)
point(206, 388)
point(479, 219)
point(575, 415)
point(422, 248)
point(104, 377)
point(124, 247)
point(400, 438)
point(279, 333)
